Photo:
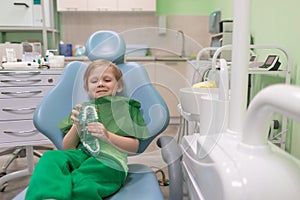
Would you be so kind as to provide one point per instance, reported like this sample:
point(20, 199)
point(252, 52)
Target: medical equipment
point(226, 25)
point(201, 105)
point(219, 161)
point(219, 40)
point(245, 166)
point(221, 164)
point(271, 64)
point(239, 163)
point(214, 20)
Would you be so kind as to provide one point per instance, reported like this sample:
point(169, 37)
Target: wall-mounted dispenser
point(214, 20)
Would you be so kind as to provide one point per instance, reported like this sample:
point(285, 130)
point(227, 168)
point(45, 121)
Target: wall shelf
point(26, 28)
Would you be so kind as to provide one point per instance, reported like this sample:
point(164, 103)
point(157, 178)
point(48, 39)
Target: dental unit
point(245, 166)
point(230, 158)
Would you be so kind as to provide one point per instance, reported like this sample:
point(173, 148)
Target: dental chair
point(141, 182)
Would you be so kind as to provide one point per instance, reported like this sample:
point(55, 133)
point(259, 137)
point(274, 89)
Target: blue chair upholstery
point(107, 45)
point(141, 182)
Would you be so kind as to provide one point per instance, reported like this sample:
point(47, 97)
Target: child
point(75, 173)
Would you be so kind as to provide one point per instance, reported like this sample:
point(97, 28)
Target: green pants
point(72, 174)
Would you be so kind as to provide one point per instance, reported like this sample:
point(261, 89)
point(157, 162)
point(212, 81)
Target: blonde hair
point(104, 64)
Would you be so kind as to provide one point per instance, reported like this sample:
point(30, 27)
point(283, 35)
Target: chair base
point(17, 152)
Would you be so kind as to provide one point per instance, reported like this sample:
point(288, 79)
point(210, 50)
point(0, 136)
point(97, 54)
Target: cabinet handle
point(28, 133)
point(72, 9)
point(21, 73)
point(21, 4)
point(22, 92)
point(21, 81)
point(102, 9)
point(137, 9)
point(17, 109)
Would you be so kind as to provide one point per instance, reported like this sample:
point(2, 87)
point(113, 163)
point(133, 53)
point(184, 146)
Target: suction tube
point(224, 81)
point(280, 98)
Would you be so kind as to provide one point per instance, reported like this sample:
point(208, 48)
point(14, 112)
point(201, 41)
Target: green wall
point(186, 7)
point(278, 24)
point(226, 6)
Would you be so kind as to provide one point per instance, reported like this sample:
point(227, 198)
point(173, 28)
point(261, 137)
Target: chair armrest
point(172, 154)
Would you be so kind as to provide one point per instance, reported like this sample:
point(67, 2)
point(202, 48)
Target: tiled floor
point(17, 185)
point(151, 157)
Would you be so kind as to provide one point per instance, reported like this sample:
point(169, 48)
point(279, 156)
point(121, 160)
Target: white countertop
point(134, 58)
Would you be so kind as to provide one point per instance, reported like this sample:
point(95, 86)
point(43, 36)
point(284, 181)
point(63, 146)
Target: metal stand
point(189, 124)
point(19, 152)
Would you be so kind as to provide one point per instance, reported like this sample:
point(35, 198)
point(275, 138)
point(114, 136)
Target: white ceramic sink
point(190, 98)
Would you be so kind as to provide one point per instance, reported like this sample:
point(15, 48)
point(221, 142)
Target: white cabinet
point(38, 14)
point(24, 13)
point(137, 5)
point(72, 5)
point(168, 77)
point(20, 92)
point(102, 5)
point(106, 5)
point(16, 14)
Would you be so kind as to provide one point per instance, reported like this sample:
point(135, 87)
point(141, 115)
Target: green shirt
point(119, 115)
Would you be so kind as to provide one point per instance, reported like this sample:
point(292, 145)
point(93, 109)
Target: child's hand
point(75, 114)
point(74, 117)
point(98, 130)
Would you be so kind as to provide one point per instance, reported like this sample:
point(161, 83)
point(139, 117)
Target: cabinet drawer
point(17, 109)
point(19, 131)
point(71, 5)
point(27, 79)
point(23, 92)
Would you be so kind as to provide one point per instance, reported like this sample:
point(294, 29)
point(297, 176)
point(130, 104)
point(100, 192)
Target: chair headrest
point(107, 45)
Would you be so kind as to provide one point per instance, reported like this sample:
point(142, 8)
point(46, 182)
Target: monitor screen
point(270, 60)
point(216, 41)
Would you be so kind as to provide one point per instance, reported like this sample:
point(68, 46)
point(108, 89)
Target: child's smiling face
point(102, 82)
